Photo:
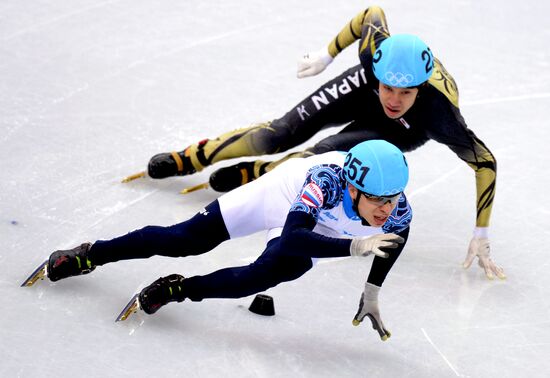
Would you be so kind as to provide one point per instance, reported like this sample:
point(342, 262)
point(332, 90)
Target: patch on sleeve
point(322, 190)
point(312, 195)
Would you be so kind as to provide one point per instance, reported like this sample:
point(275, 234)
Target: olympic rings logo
point(398, 79)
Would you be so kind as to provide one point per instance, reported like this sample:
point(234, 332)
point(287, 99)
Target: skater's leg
point(343, 141)
point(270, 269)
point(200, 234)
point(335, 103)
point(231, 177)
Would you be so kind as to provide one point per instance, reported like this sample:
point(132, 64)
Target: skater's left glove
point(480, 248)
point(313, 63)
point(368, 306)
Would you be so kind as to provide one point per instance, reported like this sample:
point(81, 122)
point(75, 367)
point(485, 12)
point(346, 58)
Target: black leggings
point(198, 235)
point(269, 270)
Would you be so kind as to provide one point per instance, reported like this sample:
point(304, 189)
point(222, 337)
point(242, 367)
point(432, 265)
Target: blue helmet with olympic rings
point(403, 61)
point(376, 167)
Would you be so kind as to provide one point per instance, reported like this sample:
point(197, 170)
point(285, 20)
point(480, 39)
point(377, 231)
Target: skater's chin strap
point(351, 207)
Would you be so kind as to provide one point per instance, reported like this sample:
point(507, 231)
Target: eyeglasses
point(382, 200)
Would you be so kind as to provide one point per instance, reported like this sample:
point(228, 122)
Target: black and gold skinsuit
point(352, 98)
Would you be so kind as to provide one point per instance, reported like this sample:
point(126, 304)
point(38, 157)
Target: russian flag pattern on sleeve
point(322, 190)
point(312, 195)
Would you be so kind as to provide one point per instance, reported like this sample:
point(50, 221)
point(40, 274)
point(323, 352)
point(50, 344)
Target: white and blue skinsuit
point(304, 220)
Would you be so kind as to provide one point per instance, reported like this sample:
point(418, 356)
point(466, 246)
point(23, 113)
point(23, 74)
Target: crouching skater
point(330, 205)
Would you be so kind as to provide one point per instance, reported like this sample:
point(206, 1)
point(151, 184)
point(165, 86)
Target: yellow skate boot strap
point(244, 176)
point(178, 160)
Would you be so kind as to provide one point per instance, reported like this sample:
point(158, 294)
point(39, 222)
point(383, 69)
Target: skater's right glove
point(313, 63)
point(364, 246)
point(368, 306)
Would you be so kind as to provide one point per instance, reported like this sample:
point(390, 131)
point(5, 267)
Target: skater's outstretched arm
point(369, 26)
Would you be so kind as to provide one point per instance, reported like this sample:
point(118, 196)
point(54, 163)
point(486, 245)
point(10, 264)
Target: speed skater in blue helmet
point(377, 171)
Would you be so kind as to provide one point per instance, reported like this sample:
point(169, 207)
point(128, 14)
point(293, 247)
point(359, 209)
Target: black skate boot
point(71, 262)
point(164, 290)
point(229, 178)
point(169, 164)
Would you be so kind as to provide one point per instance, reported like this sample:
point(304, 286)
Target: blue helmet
point(376, 167)
point(402, 61)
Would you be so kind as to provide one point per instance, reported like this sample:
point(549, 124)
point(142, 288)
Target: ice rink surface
point(90, 90)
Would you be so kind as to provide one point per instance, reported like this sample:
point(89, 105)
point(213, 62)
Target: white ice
point(90, 90)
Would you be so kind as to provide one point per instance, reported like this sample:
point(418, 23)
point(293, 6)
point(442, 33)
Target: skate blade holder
point(39, 274)
point(195, 188)
point(133, 177)
point(131, 308)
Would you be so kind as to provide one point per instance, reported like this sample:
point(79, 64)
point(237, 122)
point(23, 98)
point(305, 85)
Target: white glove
point(480, 247)
point(364, 246)
point(313, 63)
point(368, 306)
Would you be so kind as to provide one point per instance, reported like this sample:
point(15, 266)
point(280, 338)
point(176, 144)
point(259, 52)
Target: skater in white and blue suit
point(329, 205)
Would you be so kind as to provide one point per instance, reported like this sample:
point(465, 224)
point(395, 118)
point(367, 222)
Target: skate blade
point(133, 177)
point(130, 309)
point(194, 188)
point(39, 274)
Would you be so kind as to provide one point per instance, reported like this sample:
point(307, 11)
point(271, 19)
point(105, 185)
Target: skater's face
point(396, 101)
point(375, 210)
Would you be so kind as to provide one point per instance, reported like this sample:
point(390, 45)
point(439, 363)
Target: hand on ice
point(480, 247)
point(313, 63)
point(368, 306)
